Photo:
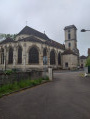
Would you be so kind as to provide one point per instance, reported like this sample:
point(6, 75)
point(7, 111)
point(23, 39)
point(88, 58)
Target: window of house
point(69, 45)
point(66, 64)
point(69, 31)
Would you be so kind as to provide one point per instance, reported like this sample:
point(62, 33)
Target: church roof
point(55, 44)
point(35, 37)
point(32, 39)
point(30, 31)
point(47, 42)
point(68, 52)
point(7, 40)
point(69, 27)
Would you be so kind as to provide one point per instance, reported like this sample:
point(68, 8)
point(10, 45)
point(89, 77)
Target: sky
point(50, 16)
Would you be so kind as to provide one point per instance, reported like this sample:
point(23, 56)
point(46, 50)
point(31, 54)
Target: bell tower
point(71, 38)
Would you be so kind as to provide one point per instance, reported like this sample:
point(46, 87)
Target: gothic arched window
point(2, 56)
point(33, 56)
point(45, 56)
point(59, 58)
point(19, 55)
point(52, 57)
point(44, 52)
point(10, 56)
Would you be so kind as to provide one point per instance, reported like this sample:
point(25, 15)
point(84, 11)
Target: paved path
point(66, 97)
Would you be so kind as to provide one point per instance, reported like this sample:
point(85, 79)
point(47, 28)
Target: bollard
point(50, 74)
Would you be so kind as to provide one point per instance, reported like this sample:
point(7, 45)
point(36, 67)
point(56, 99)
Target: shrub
point(46, 78)
point(8, 72)
point(88, 62)
point(7, 88)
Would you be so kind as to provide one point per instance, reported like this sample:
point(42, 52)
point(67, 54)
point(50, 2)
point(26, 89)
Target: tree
point(88, 62)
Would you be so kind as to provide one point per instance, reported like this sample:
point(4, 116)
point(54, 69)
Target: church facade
point(32, 49)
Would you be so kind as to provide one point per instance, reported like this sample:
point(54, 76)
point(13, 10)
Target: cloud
point(50, 16)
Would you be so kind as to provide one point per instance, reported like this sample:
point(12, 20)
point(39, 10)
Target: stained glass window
point(2, 56)
point(10, 56)
point(52, 57)
point(33, 56)
point(59, 58)
point(19, 55)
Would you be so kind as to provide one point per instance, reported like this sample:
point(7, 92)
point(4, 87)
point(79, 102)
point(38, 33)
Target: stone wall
point(18, 76)
point(71, 60)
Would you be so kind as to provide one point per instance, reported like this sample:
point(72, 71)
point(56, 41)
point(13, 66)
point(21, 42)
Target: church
point(32, 49)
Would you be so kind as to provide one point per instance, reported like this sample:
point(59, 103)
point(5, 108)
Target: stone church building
point(32, 49)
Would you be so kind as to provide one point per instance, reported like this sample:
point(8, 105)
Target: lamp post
point(84, 30)
point(86, 68)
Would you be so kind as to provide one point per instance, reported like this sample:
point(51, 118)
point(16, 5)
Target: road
point(66, 97)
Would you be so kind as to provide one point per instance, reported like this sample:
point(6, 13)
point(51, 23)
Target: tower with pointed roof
point(71, 38)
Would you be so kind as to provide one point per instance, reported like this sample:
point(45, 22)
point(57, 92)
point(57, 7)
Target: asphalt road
point(66, 97)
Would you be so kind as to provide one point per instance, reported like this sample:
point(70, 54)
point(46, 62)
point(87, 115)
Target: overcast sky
point(50, 16)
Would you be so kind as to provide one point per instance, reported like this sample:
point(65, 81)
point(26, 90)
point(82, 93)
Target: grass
point(8, 88)
point(81, 74)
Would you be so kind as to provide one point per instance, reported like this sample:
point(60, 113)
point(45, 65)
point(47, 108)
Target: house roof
point(69, 27)
point(83, 57)
point(7, 40)
point(68, 52)
point(30, 31)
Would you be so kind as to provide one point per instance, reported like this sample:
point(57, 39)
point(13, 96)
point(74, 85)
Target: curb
point(24, 89)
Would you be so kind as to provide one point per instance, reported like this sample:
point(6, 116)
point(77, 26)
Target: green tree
point(88, 61)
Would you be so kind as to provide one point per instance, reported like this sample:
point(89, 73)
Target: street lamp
point(83, 30)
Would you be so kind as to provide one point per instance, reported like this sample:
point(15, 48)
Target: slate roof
point(68, 52)
point(69, 27)
point(55, 44)
point(34, 37)
point(47, 42)
point(7, 40)
point(30, 31)
point(83, 57)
